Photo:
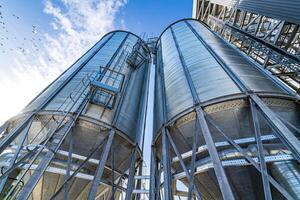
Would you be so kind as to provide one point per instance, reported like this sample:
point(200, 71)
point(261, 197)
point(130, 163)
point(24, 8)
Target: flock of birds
point(12, 40)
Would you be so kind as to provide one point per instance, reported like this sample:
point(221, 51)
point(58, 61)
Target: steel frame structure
point(163, 164)
point(50, 147)
point(188, 159)
point(272, 43)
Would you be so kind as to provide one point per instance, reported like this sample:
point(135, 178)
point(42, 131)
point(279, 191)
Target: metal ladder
point(142, 189)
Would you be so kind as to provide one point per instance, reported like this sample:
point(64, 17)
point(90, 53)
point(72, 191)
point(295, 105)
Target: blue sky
point(39, 39)
point(153, 16)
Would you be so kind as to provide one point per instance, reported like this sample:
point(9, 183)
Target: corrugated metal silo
point(84, 129)
point(216, 115)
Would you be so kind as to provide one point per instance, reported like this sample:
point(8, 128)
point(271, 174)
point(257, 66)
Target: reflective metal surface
point(235, 101)
point(76, 139)
point(287, 172)
point(265, 31)
point(100, 56)
point(209, 78)
point(278, 9)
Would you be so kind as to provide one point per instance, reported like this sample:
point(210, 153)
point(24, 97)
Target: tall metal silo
point(81, 138)
point(223, 126)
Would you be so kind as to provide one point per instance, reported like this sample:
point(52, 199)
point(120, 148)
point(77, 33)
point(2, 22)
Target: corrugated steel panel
point(206, 73)
point(100, 59)
point(130, 115)
point(178, 95)
point(208, 76)
point(279, 9)
point(60, 80)
point(246, 71)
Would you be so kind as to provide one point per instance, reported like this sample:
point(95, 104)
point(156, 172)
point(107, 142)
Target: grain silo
point(81, 138)
point(223, 126)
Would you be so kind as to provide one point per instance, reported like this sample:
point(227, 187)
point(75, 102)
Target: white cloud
point(77, 25)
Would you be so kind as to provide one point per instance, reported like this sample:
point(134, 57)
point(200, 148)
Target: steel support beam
point(278, 34)
point(9, 138)
point(35, 177)
point(166, 166)
point(286, 136)
point(249, 158)
point(44, 163)
point(153, 172)
point(270, 31)
point(185, 169)
point(113, 189)
point(131, 180)
point(297, 130)
point(94, 149)
point(251, 22)
point(218, 168)
point(100, 167)
point(194, 149)
point(52, 143)
point(23, 136)
point(158, 177)
point(261, 156)
point(139, 181)
point(66, 187)
point(292, 37)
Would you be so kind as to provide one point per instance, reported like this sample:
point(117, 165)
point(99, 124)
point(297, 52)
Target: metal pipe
point(288, 174)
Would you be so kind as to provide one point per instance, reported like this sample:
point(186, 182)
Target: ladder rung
point(136, 191)
point(55, 141)
point(57, 136)
point(142, 177)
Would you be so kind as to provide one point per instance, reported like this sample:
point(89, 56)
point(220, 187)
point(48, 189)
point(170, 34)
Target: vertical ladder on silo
point(142, 189)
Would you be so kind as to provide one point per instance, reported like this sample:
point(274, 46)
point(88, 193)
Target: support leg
point(212, 150)
point(250, 159)
point(113, 189)
point(131, 178)
point(100, 168)
point(153, 171)
point(183, 164)
point(263, 166)
point(157, 189)
point(139, 181)
point(166, 166)
point(285, 135)
point(66, 187)
point(191, 182)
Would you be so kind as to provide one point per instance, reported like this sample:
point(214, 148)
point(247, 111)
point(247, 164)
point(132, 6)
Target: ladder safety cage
point(106, 86)
point(137, 58)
